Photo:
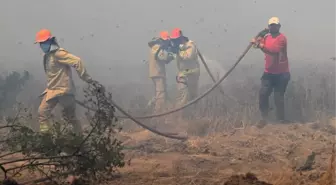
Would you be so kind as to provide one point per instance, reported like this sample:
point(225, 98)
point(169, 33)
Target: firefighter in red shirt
point(276, 74)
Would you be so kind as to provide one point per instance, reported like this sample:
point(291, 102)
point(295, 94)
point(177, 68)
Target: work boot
point(264, 120)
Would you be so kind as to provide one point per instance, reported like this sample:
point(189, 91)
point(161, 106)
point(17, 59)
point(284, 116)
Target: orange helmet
point(164, 35)
point(176, 33)
point(43, 35)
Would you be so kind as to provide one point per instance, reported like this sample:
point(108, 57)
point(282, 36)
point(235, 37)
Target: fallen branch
point(38, 158)
point(32, 165)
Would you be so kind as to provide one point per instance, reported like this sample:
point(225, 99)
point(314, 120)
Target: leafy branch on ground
point(93, 155)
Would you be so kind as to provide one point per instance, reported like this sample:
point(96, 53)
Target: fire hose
point(205, 93)
point(168, 112)
point(179, 108)
point(168, 135)
point(184, 106)
point(208, 71)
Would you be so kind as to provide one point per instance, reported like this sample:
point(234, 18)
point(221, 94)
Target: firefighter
point(188, 67)
point(276, 73)
point(159, 57)
point(60, 86)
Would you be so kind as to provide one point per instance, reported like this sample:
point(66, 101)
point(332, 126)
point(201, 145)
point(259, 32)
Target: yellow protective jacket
point(58, 65)
point(157, 68)
point(188, 58)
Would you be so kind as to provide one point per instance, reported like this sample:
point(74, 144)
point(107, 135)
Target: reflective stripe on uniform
point(188, 71)
point(183, 75)
point(44, 127)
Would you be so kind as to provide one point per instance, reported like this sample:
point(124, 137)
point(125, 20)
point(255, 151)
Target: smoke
point(216, 69)
point(111, 36)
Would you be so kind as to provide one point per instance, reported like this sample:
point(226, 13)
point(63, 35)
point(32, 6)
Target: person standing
point(188, 67)
point(158, 58)
point(276, 73)
point(60, 86)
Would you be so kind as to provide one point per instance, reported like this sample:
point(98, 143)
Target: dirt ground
point(245, 156)
point(273, 154)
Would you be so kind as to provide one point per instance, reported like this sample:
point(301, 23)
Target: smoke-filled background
point(111, 36)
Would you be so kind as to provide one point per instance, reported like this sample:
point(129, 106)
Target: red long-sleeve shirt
point(275, 49)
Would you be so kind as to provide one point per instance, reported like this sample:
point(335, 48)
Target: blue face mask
point(45, 46)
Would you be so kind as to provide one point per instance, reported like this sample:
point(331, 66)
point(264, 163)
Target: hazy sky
point(111, 33)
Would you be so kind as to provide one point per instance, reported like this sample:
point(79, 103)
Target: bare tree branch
point(91, 154)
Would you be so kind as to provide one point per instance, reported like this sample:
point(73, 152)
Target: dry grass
point(328, 178)
point(223, 141)
point(222, 130)
point(271, 153)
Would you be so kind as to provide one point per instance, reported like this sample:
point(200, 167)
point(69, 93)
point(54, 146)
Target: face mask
point(45, 46)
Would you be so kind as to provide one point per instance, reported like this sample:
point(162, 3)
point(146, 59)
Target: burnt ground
point(244, 156)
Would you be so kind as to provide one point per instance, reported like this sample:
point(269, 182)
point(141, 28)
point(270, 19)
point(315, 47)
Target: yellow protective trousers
point(69, 111)
point(187, 85)
point(160, 93)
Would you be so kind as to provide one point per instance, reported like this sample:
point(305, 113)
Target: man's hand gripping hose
point(206, 92)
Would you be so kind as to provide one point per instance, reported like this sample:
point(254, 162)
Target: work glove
point(183, 47)
point(183, 73)
point(256, 43)
point(182, 77)
point(89, 81)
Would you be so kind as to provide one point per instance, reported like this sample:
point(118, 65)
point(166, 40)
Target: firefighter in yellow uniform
point(159, 57)
point(60, 86)
point(188, 67)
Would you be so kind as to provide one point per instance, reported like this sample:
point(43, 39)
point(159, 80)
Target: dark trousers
point(276, 83)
